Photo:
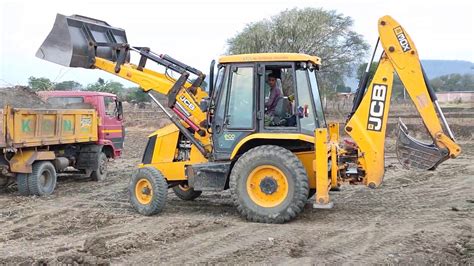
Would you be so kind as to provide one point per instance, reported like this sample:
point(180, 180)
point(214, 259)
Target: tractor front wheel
point(148, 189)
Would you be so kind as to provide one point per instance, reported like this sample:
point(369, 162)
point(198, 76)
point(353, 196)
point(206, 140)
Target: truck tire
point(269, 184)
point(42, 180)
point(185, 192)
point(22, 184)
point(100, 174)
point(148, 190)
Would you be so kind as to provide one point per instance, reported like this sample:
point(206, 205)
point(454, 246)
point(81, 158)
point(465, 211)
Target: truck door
point(235, 109)
point(112, 126)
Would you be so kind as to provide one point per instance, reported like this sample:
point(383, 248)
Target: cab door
point(112, 123)
point(235, 113)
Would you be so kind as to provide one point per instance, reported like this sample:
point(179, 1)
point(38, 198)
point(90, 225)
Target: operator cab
point(264, 93)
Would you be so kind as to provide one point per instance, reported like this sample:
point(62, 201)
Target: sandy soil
point(414, 217)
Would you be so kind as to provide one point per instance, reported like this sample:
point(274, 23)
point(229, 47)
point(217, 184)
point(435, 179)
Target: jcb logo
point(188, 103)
point(402, 39)
point(377, 107)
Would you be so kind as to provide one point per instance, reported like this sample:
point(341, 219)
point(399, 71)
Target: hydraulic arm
point(90, 43)
point(367, 123)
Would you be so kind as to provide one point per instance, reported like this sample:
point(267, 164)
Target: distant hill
point(436, 68)
point(433, 69)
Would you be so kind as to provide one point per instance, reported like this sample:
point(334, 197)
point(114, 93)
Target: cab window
point(317, 98)
point(305, 107)
point(111, 108)
point(240, 107)
point(279, 94)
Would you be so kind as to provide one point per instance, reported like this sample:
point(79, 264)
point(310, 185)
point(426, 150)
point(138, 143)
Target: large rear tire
point(269, 184)
point(42, 181)
point(148, 190)
point(184, 192)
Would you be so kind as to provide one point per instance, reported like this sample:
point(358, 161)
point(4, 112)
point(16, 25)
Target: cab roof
point(269, 57)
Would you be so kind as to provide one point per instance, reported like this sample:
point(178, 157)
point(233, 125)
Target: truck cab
point(111, 131)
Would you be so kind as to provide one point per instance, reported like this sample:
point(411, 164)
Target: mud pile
point(24, 97)
point(21, 97)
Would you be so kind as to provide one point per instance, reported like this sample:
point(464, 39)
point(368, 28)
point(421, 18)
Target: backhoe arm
point(367, 125)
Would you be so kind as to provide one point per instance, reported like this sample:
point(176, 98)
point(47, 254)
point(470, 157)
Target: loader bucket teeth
point(414, 154)
point(74, 41)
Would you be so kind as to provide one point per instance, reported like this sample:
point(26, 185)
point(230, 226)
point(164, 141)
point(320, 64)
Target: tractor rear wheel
point(184, 192)
point(269, 184)
point(148, 189)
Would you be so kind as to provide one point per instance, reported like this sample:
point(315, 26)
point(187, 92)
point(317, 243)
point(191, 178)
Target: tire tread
point(301, 184)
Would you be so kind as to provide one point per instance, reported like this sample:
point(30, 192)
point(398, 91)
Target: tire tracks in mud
point(409, 219)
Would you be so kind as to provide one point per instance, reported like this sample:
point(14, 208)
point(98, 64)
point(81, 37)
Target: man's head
point(271, 79)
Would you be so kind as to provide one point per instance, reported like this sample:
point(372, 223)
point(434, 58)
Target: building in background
point(455, 96)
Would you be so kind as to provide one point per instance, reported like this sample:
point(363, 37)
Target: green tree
point(397, 86)
point(69, 85)
point(107, 86)
point(40, 84)
point(313, 31)
point(453, 82)
point(362, 67)
point(137, 95)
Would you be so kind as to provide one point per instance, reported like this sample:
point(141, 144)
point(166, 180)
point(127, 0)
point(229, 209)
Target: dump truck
point(272, 156)
point(38, 143)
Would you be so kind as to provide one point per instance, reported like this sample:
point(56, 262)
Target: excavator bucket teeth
point(413, 153)
point(74, 41)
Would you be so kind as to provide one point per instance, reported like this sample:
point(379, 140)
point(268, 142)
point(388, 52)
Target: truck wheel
point(100, 174)
point(42, 180)
point(22, 184)
point(185, 192)
point(269, 184)
point(148, 190)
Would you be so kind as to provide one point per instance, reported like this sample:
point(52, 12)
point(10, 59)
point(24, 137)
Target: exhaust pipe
point(75, 41)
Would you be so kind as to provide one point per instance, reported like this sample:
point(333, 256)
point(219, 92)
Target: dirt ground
point(414, 217)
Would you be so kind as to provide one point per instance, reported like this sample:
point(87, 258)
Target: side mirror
point(119, 110)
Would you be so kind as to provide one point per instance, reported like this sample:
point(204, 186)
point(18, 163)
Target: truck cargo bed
point(25, 127)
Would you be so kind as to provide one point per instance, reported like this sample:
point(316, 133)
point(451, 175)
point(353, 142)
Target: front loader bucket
point(74, 41)
point(413, 153)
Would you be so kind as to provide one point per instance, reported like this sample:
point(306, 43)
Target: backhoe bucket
point(76, 40)
point(413, 153)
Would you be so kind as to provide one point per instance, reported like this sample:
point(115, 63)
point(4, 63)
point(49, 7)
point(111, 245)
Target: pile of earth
point(21, 97)
point(25, 97)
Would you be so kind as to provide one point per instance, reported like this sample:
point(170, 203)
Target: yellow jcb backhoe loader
point(274, 155)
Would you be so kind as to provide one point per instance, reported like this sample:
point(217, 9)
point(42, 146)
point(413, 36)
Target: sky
point(195, 32)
